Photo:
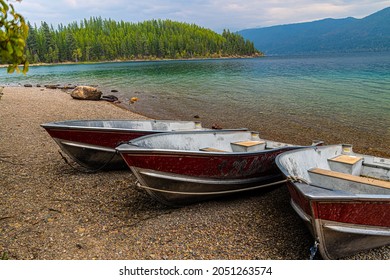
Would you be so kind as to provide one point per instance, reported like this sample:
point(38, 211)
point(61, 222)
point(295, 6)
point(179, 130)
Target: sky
point(216, 15)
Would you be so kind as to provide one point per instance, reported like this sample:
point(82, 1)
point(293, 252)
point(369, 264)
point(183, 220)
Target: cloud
point(71, 3)
point(214, 14)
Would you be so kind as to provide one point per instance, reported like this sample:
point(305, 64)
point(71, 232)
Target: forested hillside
point(98, 39)
point(368, 34)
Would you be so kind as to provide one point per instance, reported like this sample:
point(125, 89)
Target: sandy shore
point(50, 211)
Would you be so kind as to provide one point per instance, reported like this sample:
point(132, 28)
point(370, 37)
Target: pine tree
point(96, 39)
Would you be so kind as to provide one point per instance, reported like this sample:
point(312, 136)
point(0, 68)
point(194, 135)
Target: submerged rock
point(110, 98)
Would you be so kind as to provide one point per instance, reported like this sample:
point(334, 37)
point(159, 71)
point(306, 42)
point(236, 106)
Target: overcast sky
point(214, 14)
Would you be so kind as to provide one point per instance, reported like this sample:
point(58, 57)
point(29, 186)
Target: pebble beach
point(50, 211)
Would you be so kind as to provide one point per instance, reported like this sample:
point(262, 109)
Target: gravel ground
point(49, 211)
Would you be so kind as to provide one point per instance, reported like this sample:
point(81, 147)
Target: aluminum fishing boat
point(343, 197)
point(182, 167)
point(91, 143)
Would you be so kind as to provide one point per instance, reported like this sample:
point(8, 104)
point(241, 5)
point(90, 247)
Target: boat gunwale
point(142, 151)
point(132, 147)
point(337, 195)
point(67, 125)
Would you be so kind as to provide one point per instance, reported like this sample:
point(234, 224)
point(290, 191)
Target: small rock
point(110, 98)
point(133, 99)
point(67, 87)
point(216, 126)
point(51, 86)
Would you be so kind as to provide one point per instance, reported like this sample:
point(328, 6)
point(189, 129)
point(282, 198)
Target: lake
point(341, 98)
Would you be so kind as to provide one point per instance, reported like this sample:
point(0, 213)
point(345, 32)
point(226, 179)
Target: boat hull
point(346, 215)
point(91, 143)
point(92, 157)
point(343, 226)
point(174, 190)
point(177, 178)
point(93, 149)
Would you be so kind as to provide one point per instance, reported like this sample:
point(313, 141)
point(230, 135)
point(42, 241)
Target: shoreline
point(49, 211)
point(294, 130)
point(139, 60)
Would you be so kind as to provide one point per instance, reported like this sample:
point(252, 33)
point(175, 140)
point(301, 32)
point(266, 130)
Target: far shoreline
point(140, 60)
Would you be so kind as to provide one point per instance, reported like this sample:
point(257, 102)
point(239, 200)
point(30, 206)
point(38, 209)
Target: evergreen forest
point(98, 39)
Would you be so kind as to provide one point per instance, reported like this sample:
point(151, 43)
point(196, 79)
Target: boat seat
point(249, 143)
point(346, 159)
point(214, 150)
point(353, 178)
point(248, 146)
point(346, 164)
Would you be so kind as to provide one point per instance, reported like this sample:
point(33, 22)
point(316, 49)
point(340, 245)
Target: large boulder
point(86, 93)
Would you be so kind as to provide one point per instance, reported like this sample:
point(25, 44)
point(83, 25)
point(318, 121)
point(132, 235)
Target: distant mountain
point(371, 33)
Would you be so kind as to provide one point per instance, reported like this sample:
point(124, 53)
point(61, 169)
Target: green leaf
point(10, 69)
point(9, 48)
point(13, 36)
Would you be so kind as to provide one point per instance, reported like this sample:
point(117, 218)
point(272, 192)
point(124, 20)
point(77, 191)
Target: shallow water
point(336, 98)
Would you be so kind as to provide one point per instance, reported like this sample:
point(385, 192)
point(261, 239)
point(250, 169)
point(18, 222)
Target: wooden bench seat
point(346, 159)
point(353, 178)
point(214, 150)
point(248, 146)
point(249, 143)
